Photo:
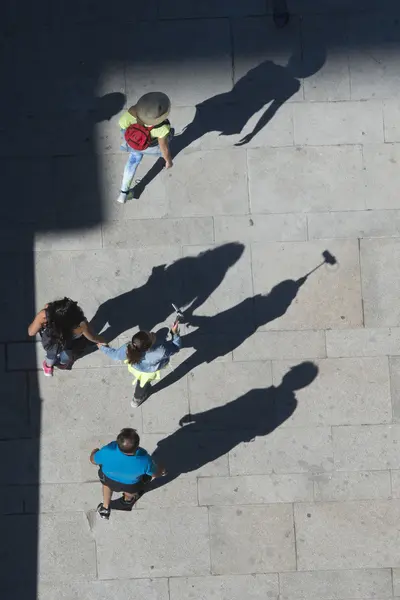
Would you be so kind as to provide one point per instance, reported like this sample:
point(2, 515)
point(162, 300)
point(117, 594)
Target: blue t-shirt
point(124, 468)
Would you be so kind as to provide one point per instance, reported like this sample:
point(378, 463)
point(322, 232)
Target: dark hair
point(128, 440)
point(62, 317)
point(141, 341)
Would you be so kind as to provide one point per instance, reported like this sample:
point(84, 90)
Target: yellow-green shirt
point(157, 132)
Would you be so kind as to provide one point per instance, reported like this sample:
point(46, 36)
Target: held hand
point(175, 327)
point(169, 164)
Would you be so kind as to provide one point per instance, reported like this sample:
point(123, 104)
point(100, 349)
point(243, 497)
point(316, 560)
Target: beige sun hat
point(153, 108)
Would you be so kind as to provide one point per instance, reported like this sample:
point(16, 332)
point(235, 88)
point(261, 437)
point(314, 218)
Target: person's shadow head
point(299, 377)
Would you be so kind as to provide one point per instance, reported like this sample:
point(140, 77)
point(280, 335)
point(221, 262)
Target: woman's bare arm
point(92, 337)
point(38, 322)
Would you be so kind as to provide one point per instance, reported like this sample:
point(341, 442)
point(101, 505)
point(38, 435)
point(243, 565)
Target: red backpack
point(138, 136)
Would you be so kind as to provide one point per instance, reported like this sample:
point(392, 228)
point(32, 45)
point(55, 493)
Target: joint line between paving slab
point(209, 539)
point(361, 282)
point(391, 397)
point(294, 535)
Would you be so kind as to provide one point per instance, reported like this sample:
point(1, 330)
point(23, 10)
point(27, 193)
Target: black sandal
point(103, 512)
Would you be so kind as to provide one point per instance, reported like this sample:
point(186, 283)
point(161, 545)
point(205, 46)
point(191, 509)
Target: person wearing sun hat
point(146, 130)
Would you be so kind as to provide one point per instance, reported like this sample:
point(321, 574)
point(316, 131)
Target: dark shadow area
point(187, 281)
point(204, 437)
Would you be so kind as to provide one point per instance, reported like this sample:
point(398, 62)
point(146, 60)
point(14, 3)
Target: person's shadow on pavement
point(222, 333)
point(187, 281)
point(229, 112)
point(204, 437)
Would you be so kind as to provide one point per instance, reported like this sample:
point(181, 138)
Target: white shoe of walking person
point(122, 198)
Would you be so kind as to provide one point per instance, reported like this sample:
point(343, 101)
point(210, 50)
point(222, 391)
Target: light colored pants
point(132, 164)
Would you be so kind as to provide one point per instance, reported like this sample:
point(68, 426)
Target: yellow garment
point(142, 377)
point(157, 132)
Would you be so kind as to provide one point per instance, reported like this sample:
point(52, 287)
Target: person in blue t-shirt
point(124, 467)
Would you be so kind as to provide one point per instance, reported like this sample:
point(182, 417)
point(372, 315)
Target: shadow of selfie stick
point(329, 259)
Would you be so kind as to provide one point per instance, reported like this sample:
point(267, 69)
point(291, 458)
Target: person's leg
point(65, 359)
point(129, 173)
point(50, 360)
point(107, 494)
point(141, 394)
point(104, 507)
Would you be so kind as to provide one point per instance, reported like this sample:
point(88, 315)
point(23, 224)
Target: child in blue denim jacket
point(145, 358)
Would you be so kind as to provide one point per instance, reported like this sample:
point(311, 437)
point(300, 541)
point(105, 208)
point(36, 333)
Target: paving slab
point(326, 39)
point(332, 585)
point(261, 228)
point(363, 342)
point(374, 55)
point(286, 450)
point(324, 123)
point(337, 535)
point(381, 162)
point(354, 224)
point(66, 548)
point(363, 485)
point(395, 478)
point(180, 492)
point(266, 539)
point(61, 497)
point(306, 179)
point(161, 413)
point(255, 489)
point(282, 345)
point(155, 232)
point(80, 239)
point(22, 464)
point(153, 202)
point(394, 366)
point(219, 383)
point(191, 71)
point(330, 298)
point(391, 115)
point(66, 460)
point(168, 542)
point(261, 54)
point(379, 273)
point(349, 391)
point(15, 414)
point(366, 447)
point(153, 589)
point(225, 587)
point(78, 402)
point(212, 191)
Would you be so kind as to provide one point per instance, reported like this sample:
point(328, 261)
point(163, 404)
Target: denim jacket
point(154, 359)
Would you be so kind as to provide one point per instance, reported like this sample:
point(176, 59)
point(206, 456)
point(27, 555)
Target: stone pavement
point(278, 490)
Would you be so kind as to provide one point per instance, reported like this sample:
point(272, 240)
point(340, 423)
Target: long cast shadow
point(206, 436)
point(187, 281)
point(238, 323)
point(228, 113)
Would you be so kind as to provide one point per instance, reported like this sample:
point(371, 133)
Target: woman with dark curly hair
point(59, 324)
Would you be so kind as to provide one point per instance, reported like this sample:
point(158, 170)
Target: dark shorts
point(129, 488)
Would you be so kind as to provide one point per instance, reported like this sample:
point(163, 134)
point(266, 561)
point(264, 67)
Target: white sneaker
point(122, 198)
